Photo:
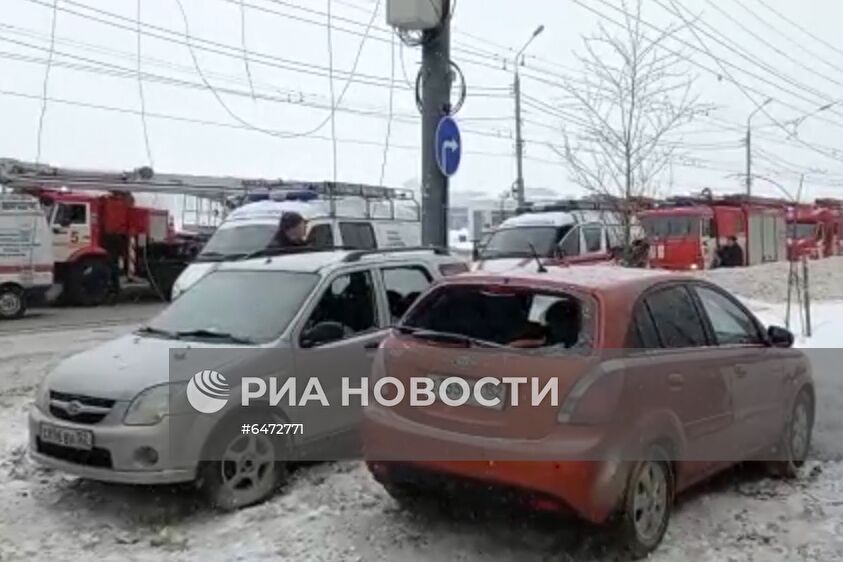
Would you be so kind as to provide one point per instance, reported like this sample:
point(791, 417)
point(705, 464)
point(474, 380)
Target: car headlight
point(42, 397)
point(152, 405)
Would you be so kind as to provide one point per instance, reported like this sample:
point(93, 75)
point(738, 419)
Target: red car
point(663, 380)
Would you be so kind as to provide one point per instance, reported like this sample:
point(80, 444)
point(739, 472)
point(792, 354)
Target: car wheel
point(647, 505)
point(89, 282)
point(795, 443)
point(246, 470)
point(12, 303)
point(405, 494)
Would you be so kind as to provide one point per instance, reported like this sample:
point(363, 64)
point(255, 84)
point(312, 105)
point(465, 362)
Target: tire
point(89, 282)
point(795, 443)
point(250, 471)
point(12, 302)
point(647, 505)
point(405, 495)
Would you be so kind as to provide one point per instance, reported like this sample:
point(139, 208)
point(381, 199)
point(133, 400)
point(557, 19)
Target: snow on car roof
point(555, 219)
point(313, 262)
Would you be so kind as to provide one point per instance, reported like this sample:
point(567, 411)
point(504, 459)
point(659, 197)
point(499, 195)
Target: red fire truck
point(820, 229)
point(101, 237)
point(686, 233)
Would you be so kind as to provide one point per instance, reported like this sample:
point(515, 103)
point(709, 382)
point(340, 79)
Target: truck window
point(570, 244)
point(592, 236)
point(71, 213)
point(358, 235)
point(321, 236)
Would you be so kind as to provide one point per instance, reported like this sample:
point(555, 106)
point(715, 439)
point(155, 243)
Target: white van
point(26, 254)
point(578, 231)
point(338, 216)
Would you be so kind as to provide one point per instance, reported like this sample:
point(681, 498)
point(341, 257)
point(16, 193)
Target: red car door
point(692, 387)
point(756, 372)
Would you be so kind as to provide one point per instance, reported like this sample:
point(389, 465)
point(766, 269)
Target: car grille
point(96, 457)
point(77, 408)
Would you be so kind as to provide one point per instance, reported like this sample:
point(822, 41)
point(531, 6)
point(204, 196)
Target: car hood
point(193, 273)
point(121, 368)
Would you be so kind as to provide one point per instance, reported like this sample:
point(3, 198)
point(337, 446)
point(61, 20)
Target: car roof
point(316, 262)
point(554, 219)
point(596, 278)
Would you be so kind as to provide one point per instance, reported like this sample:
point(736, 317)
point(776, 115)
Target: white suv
point(111, 413)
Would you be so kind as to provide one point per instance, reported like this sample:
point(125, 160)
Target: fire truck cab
point(814, 231)
point(687, 233)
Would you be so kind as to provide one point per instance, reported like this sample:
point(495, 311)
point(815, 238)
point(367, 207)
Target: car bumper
point(591, 488)
point(115, 456)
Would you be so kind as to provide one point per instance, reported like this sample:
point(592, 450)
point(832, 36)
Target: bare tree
point(633, 94)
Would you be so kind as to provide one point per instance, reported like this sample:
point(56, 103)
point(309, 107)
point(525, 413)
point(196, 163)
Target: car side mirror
point(780, 337)
point(322, 333)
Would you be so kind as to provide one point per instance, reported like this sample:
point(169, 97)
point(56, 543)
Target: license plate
point(490, 391)
point(72, 438)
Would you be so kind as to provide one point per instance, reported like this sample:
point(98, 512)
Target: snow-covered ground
point(336, 512)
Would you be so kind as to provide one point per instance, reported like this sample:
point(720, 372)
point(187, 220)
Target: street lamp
point(519, 141)
point(767, 102)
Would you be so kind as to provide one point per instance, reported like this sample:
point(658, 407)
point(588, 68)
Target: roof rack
point(358, 255)
point(568, 205)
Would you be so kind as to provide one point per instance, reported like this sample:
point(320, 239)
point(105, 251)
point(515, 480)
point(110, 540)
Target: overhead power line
point(46, 82)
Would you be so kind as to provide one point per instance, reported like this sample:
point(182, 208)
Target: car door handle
point(740, 372)
point(675, 381)
point(372, 345)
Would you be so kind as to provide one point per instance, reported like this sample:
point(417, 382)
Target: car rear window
point(507, 316)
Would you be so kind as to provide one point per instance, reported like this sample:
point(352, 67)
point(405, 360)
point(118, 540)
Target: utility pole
point(519, 143)
point(749, 146)
point(520, 196)
point(436, 103)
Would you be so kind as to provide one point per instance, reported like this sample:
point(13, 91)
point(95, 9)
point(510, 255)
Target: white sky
point(486, 33)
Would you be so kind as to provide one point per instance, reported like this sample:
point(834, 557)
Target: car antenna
point(542, 268)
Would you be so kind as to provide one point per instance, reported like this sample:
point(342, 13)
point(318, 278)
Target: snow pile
point(768, 283)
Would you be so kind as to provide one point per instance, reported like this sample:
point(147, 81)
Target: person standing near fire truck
point(731, 255)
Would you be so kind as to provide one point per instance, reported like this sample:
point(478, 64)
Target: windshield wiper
point(213, 334)
point(445, 337)
point(217, 257)
point(157, 332)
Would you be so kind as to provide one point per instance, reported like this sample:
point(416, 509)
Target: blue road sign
point(448, 146)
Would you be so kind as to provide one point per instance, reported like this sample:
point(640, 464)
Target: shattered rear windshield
point(508, 316)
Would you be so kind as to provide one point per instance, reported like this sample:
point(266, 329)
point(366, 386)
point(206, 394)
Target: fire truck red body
point(686, 234)
point(99, 239)
point(816, 231)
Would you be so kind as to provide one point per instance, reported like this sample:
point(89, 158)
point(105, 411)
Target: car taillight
point(593, 400)
point(448, 269)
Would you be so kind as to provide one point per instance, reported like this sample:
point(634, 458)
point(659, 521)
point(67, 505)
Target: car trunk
point(406, 358)
point(506, 331)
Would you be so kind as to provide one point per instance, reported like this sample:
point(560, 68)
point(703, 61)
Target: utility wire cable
point(141, 94)
point(391, 110)
point(334, 104)
point(46, 83)
point(801, 28)
point(333, 115)
point(243, 45)
point(759, 106)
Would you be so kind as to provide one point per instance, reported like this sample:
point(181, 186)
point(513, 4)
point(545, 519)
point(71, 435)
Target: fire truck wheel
point(89, 282)
point(12, 302)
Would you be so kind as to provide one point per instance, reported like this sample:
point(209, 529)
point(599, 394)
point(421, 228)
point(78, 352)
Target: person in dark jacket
point(292, 231)
point(731, 255)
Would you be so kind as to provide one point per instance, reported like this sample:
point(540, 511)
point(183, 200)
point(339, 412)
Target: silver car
point(116, 413)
